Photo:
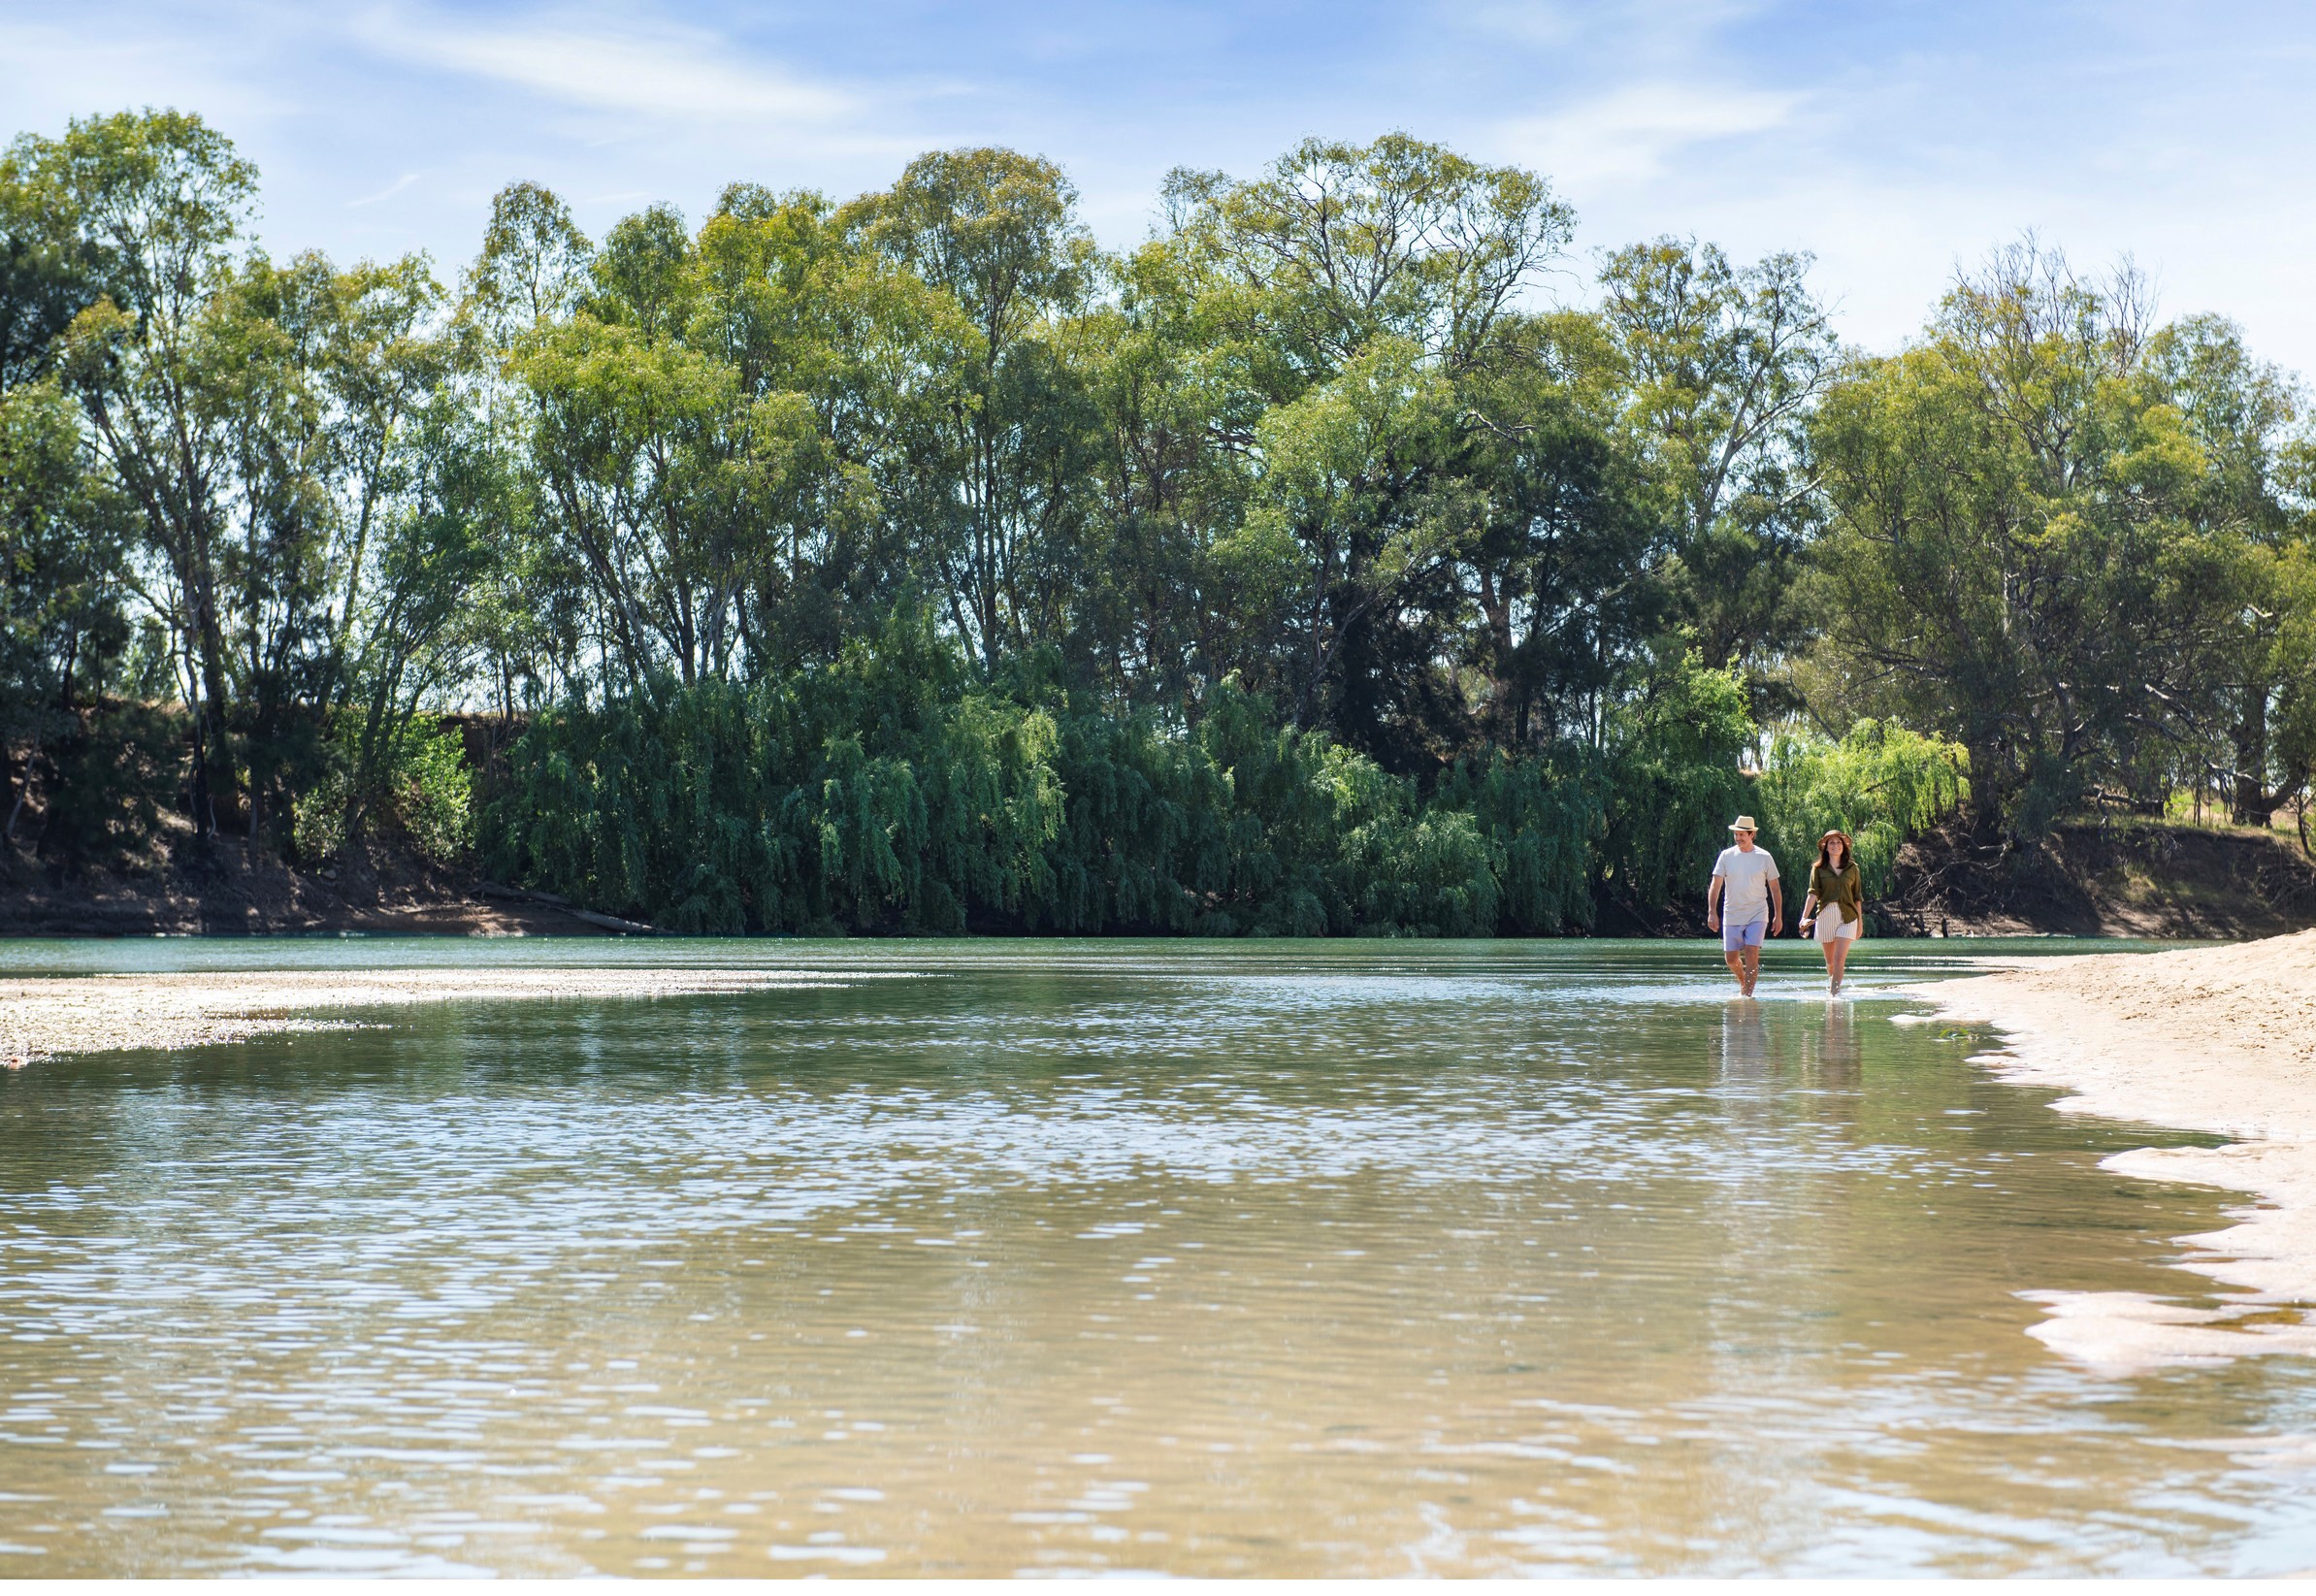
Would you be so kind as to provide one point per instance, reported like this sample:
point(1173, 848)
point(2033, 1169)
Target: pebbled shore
point(106, 1013)
point(2221, 1040)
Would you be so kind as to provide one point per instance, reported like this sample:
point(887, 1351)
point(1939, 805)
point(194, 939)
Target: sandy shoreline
point(2221, 1040)
point(42, 1016)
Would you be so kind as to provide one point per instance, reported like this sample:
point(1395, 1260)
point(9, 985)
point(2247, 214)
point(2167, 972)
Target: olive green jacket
point(1838, 886)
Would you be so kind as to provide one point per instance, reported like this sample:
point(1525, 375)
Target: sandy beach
point(103, 1013)
point(2220, 1040)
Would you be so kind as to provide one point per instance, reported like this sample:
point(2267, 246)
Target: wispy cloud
point(1633, 133)
point(669, 73)
point(386, 193)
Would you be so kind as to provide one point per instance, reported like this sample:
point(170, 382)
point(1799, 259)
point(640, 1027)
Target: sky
point(1895, 141)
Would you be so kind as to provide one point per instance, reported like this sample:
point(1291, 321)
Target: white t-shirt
point(1745, 898)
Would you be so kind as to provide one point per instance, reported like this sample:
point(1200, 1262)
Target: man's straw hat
point(1743, 823)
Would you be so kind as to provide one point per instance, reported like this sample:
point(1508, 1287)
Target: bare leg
point(1837, 956)
point(1737, 967)
point(1752, 969)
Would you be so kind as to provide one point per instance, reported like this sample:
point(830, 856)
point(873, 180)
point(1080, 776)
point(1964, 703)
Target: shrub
point(416, 780)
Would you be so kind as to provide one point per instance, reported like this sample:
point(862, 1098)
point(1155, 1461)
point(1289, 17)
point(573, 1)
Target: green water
point(995, 1257)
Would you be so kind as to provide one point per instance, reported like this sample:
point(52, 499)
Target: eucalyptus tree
point(50, 273)
point(1565, 580)
point(247, 417)
point(1336, 245)
point(1158, 619)
point(161, 199)
point(1350, 291)
point(999, 504)
point(2015, 557)
point(2247, 417)
point(63, 614)
point(860, 357)
point(1722, 366)
point(533, 265)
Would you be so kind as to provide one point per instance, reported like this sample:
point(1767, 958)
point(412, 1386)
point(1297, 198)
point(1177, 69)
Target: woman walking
point(1836, 903)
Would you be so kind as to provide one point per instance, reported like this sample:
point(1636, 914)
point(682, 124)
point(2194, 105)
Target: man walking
point(1744, 904)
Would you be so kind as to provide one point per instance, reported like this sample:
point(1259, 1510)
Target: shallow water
point(1267, 1260)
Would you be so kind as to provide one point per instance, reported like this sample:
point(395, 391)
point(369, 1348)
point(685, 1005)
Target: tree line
point(1338, 559)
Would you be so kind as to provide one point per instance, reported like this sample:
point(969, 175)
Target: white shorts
point(1832, 928)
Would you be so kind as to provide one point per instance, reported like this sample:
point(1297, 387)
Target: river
point(995, 1257)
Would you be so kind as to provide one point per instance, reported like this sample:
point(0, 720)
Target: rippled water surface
point(1197, 1258)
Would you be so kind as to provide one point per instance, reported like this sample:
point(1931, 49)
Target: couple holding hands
point(1746, 903)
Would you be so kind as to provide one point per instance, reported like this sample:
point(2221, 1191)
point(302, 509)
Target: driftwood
point(588, 917)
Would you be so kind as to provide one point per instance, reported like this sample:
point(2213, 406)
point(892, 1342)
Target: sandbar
point(41, 1016)
point(2220, 1040)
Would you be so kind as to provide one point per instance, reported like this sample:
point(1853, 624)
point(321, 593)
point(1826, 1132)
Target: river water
point(1249, 1258)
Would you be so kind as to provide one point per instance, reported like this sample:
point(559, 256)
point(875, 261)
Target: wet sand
point(2220, 1040)
point(106, 1013)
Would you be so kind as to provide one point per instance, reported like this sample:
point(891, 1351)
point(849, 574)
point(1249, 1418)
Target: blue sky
point(1893, 140)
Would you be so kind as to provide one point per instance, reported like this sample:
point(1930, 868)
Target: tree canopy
point(1336, 559)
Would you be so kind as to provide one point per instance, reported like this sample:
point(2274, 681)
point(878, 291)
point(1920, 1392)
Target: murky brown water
point(1201, 1260)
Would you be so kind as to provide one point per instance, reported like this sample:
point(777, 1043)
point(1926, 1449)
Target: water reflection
point(1194, 1260)
point(1744, 1056)
point(1838, 1047)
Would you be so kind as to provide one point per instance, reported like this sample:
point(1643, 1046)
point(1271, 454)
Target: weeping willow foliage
point(881, 793)
point(900, 791)
point(1674, 783)
point(1881, 784)
point(895, 793)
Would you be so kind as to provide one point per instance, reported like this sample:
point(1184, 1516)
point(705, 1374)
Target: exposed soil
point(2119, 877)
point(2123, 877)
point(225, 887)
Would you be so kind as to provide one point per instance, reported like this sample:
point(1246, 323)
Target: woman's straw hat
point(1743, 823)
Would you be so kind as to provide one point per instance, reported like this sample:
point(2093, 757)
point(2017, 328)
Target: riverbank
point(2218, 1040)
point(224, 886)
point(2123, 875)
point(2126, 877)
point(107, 1013)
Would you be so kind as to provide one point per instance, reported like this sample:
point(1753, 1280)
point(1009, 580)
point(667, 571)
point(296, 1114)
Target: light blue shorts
point(1748, 936)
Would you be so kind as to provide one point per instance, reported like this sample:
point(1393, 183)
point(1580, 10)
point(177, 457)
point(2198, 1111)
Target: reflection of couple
point(1829, 1053)
point(1746, 903)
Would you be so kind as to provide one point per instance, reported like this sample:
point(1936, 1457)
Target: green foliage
point(910, 562)
point(893, 792)
point(1544, 820)
point(884, 791)
point(2064, 543)
point(1722, 367)
point(1881, 784)
point(1673, 782)
point(415, 779)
